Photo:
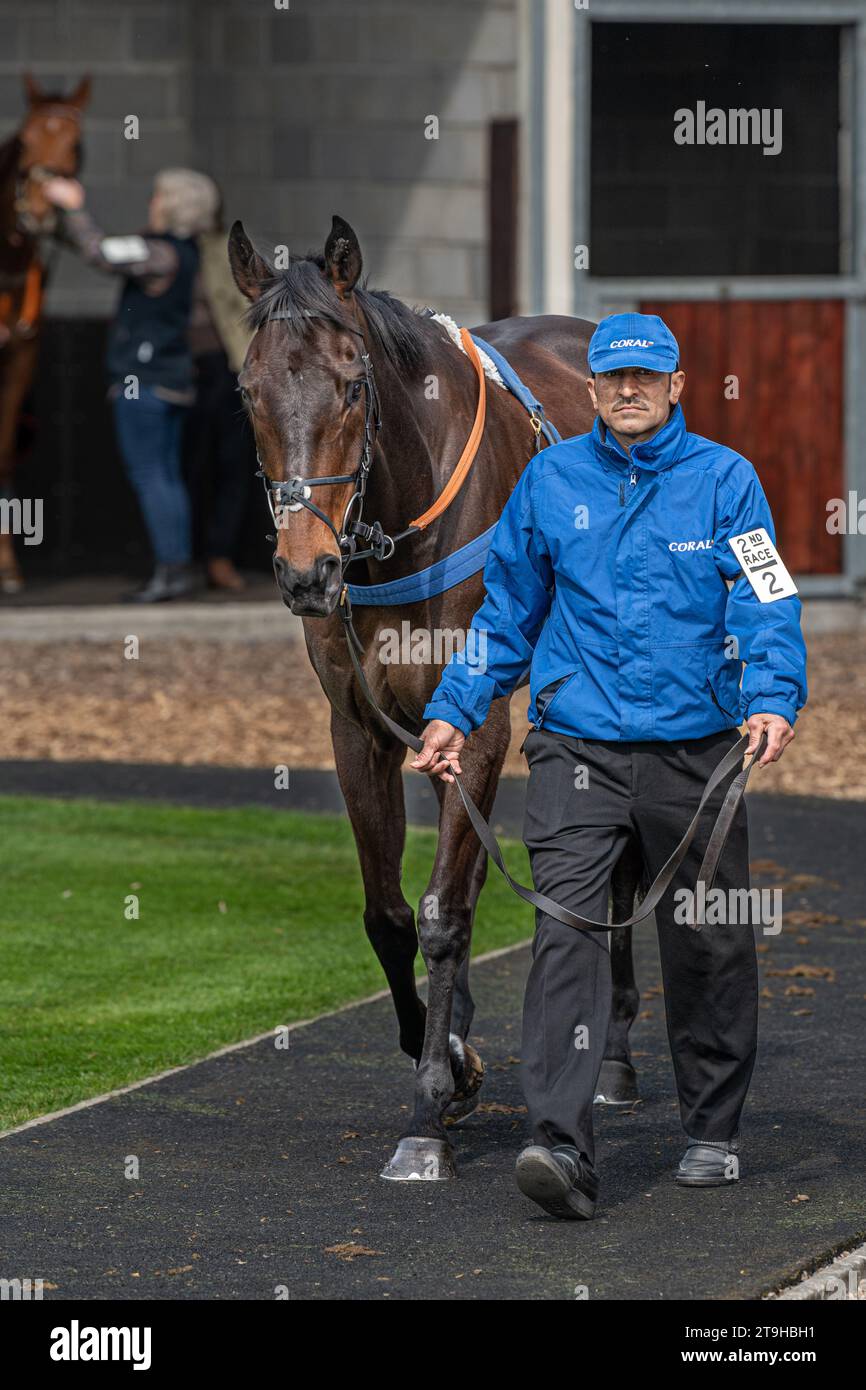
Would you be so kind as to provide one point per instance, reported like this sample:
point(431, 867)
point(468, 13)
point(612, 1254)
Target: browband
point(312, 314)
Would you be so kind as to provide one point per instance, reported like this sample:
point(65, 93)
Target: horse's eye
point(354, 392)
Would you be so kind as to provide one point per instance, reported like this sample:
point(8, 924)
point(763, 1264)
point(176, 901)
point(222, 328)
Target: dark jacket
point(148, 338)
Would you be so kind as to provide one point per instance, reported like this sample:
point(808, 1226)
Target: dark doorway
point(660, 208)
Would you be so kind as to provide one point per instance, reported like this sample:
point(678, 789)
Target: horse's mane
point(404, 335)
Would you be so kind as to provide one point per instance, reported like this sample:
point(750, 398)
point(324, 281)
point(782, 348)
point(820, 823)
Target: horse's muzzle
point(314, 593)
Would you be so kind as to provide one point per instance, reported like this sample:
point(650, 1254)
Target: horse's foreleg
point(371, 781)
point(617, 1083)
point(463, 1005)
point(445, 918)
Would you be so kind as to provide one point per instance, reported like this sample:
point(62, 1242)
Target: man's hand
point(64, 193)
point(779, 735)
point(442, 744)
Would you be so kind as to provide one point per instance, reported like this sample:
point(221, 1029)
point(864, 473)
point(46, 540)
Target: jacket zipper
point(632, 481)
point(552, 701)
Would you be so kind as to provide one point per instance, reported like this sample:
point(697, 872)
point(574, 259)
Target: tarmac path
point(259, 1167)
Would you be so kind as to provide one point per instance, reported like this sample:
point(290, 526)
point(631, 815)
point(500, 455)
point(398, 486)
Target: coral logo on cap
point(633, 342)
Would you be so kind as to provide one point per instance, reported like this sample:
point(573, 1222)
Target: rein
point(296, 494)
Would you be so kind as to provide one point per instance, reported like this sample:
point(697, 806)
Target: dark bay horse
point(46, 143)
point(303, 384)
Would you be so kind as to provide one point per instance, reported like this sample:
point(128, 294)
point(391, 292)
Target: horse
point(320, 340)
point(48, 142)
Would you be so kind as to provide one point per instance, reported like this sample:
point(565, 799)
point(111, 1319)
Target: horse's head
point(308, 388)
point(50, 143)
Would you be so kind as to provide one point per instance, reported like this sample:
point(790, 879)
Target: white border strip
point(239, 1046)
point(559, 134)
point(836, 1282)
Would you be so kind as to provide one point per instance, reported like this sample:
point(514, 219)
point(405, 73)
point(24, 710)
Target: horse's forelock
point(303, 290)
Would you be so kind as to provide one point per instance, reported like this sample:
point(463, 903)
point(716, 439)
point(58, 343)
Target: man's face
point(634, 401)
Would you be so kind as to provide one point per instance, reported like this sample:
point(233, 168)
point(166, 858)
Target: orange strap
point(32, 296)
point(467, 458)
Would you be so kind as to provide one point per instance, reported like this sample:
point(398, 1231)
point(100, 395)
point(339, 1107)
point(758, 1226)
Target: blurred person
point(219, 449)
point(149, 360)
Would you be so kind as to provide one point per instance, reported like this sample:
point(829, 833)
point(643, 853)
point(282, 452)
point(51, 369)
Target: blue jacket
point(606, 576)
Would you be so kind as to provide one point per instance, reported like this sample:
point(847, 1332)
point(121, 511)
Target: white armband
point(762, 565)
point(124, 249)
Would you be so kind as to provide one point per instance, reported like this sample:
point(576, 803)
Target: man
point(636, 567)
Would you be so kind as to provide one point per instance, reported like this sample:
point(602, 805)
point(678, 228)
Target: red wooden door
point(788, 358)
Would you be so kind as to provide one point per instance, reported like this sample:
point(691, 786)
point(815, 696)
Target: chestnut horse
point(304, 384)
point(47, 143)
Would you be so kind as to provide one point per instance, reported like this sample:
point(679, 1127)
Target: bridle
point(293, 495)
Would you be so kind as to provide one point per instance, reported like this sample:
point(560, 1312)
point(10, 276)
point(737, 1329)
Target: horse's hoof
point(421, 1160)
point(617, 1084)
point(468, 1070)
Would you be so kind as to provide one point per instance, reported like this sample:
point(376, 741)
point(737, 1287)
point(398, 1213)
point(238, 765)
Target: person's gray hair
point(191, 201)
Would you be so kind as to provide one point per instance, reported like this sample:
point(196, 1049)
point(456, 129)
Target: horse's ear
point(248, 267)
point(32, 89)
point(81, 96)
point(342, 257)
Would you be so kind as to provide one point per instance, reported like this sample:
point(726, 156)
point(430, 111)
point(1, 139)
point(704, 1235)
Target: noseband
point(295, 494)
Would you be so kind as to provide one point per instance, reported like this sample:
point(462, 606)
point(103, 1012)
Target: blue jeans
point(149, 433)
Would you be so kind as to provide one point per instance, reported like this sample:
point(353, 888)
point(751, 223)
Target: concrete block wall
point(297, 113)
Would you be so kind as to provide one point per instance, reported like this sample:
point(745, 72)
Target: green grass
point(90, 1000)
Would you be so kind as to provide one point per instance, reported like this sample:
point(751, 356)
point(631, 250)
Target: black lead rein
point(709, 865)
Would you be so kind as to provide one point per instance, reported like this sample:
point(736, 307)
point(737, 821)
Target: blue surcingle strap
point(519, 389)
point(445, 574)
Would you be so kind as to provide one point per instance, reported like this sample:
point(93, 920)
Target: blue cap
point(633, 340)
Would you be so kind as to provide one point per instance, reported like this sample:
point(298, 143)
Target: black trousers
point(585, 798)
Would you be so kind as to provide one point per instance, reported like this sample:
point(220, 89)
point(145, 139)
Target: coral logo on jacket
point(692, 545)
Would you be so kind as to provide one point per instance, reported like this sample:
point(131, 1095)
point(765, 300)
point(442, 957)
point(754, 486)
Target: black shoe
point(167, 582)
point(709, 1163)
point(560, 1180)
